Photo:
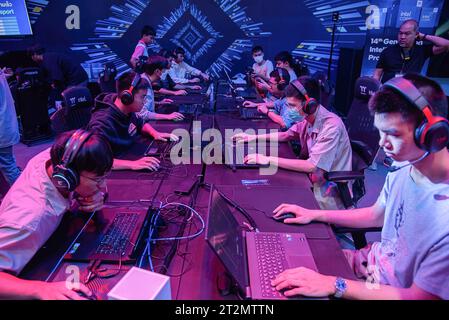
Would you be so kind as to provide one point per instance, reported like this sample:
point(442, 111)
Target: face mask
point(258, 59)
point(293, 114)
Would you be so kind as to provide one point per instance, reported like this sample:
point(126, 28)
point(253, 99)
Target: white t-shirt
point(29, 214)
point(178, 72)
point(415, 237)
point(264, 69)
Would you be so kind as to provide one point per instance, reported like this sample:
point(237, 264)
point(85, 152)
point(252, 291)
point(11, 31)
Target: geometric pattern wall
point(197, 34)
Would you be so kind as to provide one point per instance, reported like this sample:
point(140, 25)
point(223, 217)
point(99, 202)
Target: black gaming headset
point(66, 178)
point(127, 96)
point(311, 103)
point(282, 83)
point(432, 134)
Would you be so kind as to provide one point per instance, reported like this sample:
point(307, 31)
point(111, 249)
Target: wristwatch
point(340, 287)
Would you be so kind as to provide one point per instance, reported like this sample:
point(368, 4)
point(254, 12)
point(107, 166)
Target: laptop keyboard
point(118, 235)
point(251, 113)
point(270, 261)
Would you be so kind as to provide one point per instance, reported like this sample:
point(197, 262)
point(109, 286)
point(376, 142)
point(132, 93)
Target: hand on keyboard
point(249, 104)
point(145, 163)
point(243, 137)
point(257, 159)
point(163, 136)
point(306, 282)
point(175, 116)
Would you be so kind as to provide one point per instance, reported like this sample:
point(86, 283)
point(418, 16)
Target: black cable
point(236, 206)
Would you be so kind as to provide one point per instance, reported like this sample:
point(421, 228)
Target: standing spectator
point(9, 131)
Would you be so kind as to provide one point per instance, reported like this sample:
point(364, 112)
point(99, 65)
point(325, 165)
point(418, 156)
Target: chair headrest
point(365, 87)
point(77, 97)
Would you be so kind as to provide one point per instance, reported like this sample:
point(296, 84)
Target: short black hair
point(95, 155)
point(389, 100)
point(279, 73)
point(155, 63)
point(311, 85)
point(179, 50)
point(125, 80)
point(257, 49)
point(148, 31)
point(35, 49)
point(284, 56)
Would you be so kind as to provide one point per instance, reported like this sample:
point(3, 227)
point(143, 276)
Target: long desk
point(194, 269)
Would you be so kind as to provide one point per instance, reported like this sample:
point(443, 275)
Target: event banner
point(384, 22)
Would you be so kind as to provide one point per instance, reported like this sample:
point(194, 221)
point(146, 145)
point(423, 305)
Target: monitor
point(14, 19)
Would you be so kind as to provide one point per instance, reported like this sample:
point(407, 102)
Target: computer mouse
point(284, 216)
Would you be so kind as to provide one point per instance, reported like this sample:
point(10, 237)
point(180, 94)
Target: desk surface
point(194, 268)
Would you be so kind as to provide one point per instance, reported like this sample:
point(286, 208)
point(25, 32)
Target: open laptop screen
point(226, 239)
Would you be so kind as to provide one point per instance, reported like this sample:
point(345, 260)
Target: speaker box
point(32, 108)
point(349, 69)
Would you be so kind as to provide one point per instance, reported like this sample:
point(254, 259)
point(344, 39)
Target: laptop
point(116, 235)
point(159, 149)
point(235, 153)
point(253, 258)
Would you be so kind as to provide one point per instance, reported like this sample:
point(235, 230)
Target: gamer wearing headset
point(412, 259)
point(278, 110)
point(115, 118)
point(323, 138)
point(71, 173)
point(407, 56)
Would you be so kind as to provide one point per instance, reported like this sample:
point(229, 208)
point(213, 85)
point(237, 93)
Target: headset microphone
point(394, 169)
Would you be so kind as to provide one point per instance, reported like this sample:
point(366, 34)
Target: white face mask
point(258, 59)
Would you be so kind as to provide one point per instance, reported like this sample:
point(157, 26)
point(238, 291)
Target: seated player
point(180, 70)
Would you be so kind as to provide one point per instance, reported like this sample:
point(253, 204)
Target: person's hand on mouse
point(60, 291)
point(145, 163)
point(302, 215)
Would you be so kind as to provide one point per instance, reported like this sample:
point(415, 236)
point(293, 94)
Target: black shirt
point(392, 60)
point(110, 122)
point(60, 68)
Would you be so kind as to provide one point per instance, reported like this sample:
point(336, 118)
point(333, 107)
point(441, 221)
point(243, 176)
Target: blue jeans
point(8, 166)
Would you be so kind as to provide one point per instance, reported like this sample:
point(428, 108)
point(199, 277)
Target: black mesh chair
point(364, 139)
point(327, 90)
point(76, 110)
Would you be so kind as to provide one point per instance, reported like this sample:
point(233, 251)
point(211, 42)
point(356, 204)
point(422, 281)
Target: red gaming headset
point(127, 96)
point(432, 134)
point(311, 103)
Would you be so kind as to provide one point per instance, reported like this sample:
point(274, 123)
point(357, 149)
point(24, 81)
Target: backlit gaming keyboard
point(118, 235)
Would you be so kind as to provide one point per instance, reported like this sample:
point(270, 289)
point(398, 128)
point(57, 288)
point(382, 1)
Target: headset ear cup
point(433, 137)
point(419, 131)
point(65, 179)
point(311, 106)
point(126, 97)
